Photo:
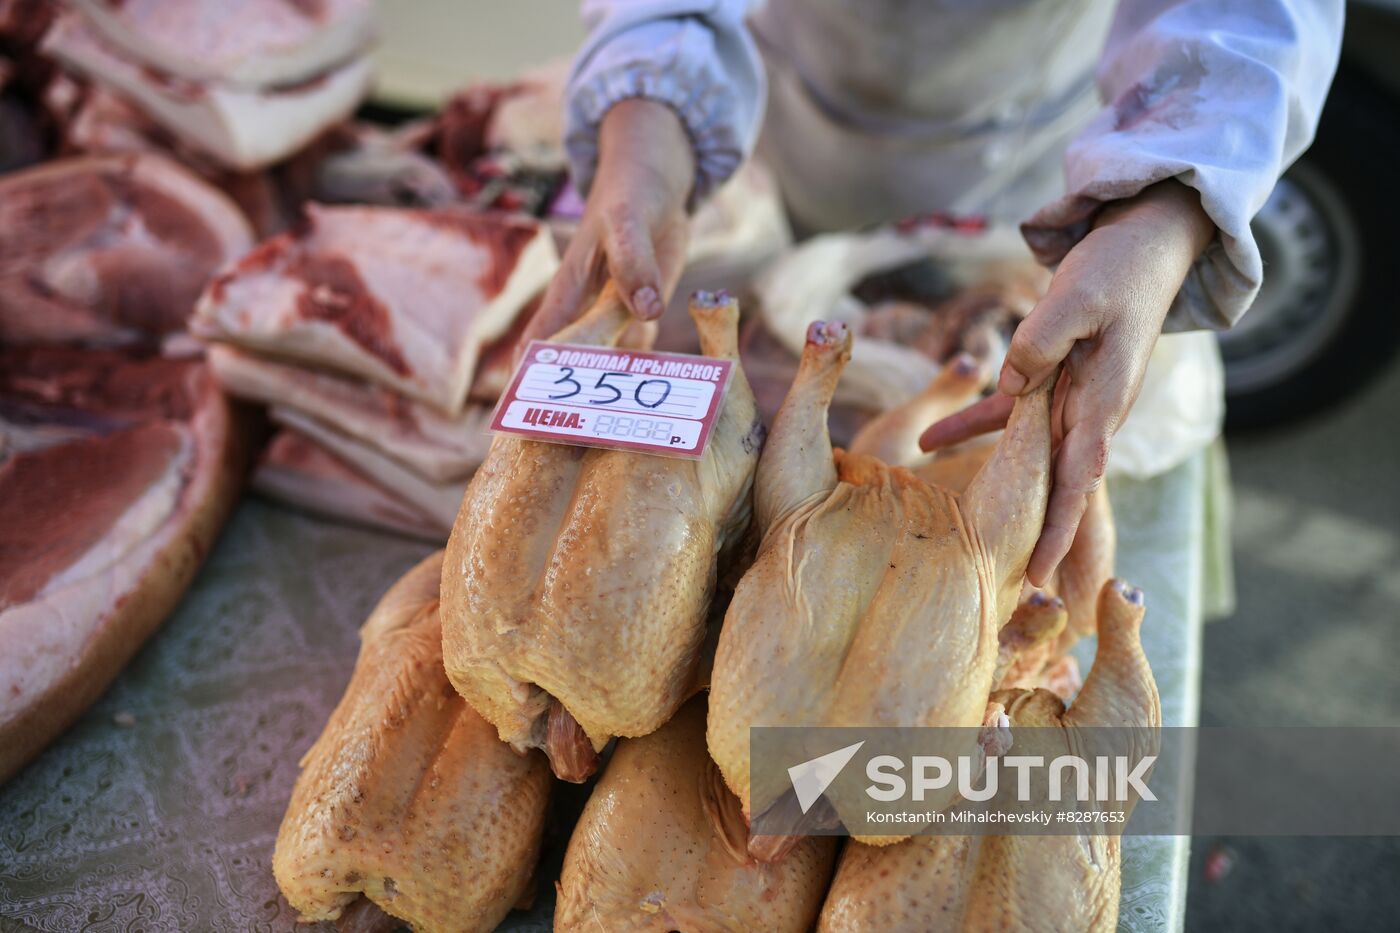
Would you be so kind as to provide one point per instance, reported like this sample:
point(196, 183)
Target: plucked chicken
point(662, 844)
point(1014, 883)
point(893, 437)
point(408, 798)
point(577, 581)
point(876, 598)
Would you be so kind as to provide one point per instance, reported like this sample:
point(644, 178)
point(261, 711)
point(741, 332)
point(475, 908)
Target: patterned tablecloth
point(157, 812)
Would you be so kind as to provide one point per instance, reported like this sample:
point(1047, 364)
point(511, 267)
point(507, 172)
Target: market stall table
point(158, 810)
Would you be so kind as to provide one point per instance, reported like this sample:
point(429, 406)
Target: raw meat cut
point(876, 598)
point(437, 501)
point(408, 797)
point(296, 471)
point(118, 471)
point(242, 128)
point(1028, 882)
point(405, 298)
point(661, 846)
point(437, 447)
point(109, 249)
point(577, 580)
point(252, 43)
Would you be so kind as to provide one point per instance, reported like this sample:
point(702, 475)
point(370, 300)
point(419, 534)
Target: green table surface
point(158, 810)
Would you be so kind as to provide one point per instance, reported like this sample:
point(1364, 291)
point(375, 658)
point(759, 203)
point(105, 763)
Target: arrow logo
point(811, 778)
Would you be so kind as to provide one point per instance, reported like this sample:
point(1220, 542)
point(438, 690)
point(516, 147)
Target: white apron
point(880, 109)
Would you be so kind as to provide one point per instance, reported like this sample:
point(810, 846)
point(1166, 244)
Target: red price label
point(657, 403)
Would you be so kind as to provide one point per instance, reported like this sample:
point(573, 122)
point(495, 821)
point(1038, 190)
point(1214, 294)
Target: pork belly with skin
point(403, 298)
point(295, 470)
point(436, 446)
point(109, 249)
point(245, 84)
point(116, 473)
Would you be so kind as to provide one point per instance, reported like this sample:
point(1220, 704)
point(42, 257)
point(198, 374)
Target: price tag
point(657, 403)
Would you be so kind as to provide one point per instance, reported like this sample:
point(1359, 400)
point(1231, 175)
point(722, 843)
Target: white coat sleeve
point(694, 55)
point(1221, 95)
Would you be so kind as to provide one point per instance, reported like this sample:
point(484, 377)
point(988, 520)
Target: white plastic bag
point(1179, 411)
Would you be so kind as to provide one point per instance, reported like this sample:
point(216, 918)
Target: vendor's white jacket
point(1022, 110)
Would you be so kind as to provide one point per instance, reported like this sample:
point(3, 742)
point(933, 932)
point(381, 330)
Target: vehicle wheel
point(1328, 316)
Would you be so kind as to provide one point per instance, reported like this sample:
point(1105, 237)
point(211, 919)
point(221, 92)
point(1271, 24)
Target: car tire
point(1326, 321)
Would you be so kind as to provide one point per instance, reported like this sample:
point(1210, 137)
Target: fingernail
point(964, 364)
point(647, 303)
point(1130, 593)
point(1011, 382)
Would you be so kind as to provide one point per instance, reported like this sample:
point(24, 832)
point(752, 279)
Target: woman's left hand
point(1100, 317)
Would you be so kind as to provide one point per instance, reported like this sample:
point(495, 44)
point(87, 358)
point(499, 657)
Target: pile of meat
point(245, 84)
point(378, 337)
point(118, 463)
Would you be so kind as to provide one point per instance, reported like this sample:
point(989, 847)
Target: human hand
point(634, 225)
point(1100, 317)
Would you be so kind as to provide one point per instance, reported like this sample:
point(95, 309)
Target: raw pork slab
point(251, 43)
point(240, 128)
point(296, 470)
point(109, 248)
point(438, 501)
point(438, 447)
point(104, 519)
point(405, 298)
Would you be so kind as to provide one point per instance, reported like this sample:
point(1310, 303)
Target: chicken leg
point(875, 599)
point(1026, 642)
point(577, 581)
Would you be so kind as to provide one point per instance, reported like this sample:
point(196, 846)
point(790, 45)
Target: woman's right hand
point(634, 225)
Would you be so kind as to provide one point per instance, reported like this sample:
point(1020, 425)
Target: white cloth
point(881, 108)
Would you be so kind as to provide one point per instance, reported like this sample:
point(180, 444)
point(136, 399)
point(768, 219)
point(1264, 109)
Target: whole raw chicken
point(876, 598)
point(893, 437)
point(661, 846)
point(1021, 884)
point(576, 583)
point(408, 797)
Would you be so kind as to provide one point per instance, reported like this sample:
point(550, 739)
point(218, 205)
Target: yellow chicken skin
point(876, 598)
point(1013, 884)
point(661, 847)
point(577, 581)
point(893, 437)
point(408, 797)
